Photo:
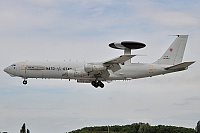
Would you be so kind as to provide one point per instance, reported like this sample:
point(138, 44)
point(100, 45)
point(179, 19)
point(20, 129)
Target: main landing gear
point(24, 82)
point(97, 84)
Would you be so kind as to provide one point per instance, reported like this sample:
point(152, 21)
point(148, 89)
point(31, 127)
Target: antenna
point(127, 46)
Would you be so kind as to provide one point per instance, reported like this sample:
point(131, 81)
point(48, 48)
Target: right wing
point(114, 63)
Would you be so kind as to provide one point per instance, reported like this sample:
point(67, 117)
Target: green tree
point(144, 128)
point(23, 129)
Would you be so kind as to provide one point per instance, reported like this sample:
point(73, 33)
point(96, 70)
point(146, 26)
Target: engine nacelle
point(73, 73)
point(94, 68)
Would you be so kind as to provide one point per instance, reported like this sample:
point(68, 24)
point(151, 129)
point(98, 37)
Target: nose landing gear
point(97, 84)
point(24, 82)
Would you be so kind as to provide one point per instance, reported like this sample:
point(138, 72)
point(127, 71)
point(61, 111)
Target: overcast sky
point(81, 30)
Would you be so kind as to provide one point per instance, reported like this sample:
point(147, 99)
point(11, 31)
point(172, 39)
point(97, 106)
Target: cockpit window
point(13, 65)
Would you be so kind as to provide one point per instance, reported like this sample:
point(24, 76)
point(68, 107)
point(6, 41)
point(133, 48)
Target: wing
point(114, 63)
point(98, 70)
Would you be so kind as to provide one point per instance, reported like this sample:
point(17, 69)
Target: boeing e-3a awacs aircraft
point(119, 68)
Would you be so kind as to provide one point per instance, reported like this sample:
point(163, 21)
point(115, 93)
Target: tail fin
point(174, 54)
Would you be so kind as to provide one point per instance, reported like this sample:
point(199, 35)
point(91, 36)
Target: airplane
point(119, 68)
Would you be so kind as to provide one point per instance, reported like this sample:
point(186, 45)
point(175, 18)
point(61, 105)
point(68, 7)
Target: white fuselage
point(59, 69)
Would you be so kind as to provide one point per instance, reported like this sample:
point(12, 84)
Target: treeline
point(135, 128)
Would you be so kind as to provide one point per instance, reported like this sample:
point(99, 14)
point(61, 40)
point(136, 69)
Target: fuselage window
point(13, 65)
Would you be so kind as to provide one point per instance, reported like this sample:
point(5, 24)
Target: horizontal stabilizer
point(180, 66)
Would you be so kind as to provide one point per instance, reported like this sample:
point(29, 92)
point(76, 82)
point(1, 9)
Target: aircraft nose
point(9, 71)
point(6, 70)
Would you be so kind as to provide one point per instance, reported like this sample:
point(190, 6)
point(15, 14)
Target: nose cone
point(6, 70)
point(9, 71)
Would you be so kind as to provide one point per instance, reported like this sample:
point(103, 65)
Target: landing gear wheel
point(100, 84)
point(94, 83)
point(97, 84)
point(25, 82)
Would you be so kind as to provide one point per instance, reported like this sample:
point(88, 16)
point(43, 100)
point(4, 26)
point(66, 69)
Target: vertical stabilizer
point(174, 54)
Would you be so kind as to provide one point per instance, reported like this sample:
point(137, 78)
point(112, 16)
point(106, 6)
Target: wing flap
point(114, 67)
point(180, 66)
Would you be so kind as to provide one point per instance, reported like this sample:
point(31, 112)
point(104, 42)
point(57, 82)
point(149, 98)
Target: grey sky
point(81, 30)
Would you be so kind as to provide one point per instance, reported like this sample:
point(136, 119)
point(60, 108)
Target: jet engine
point(74, 73)
point(94, 68)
